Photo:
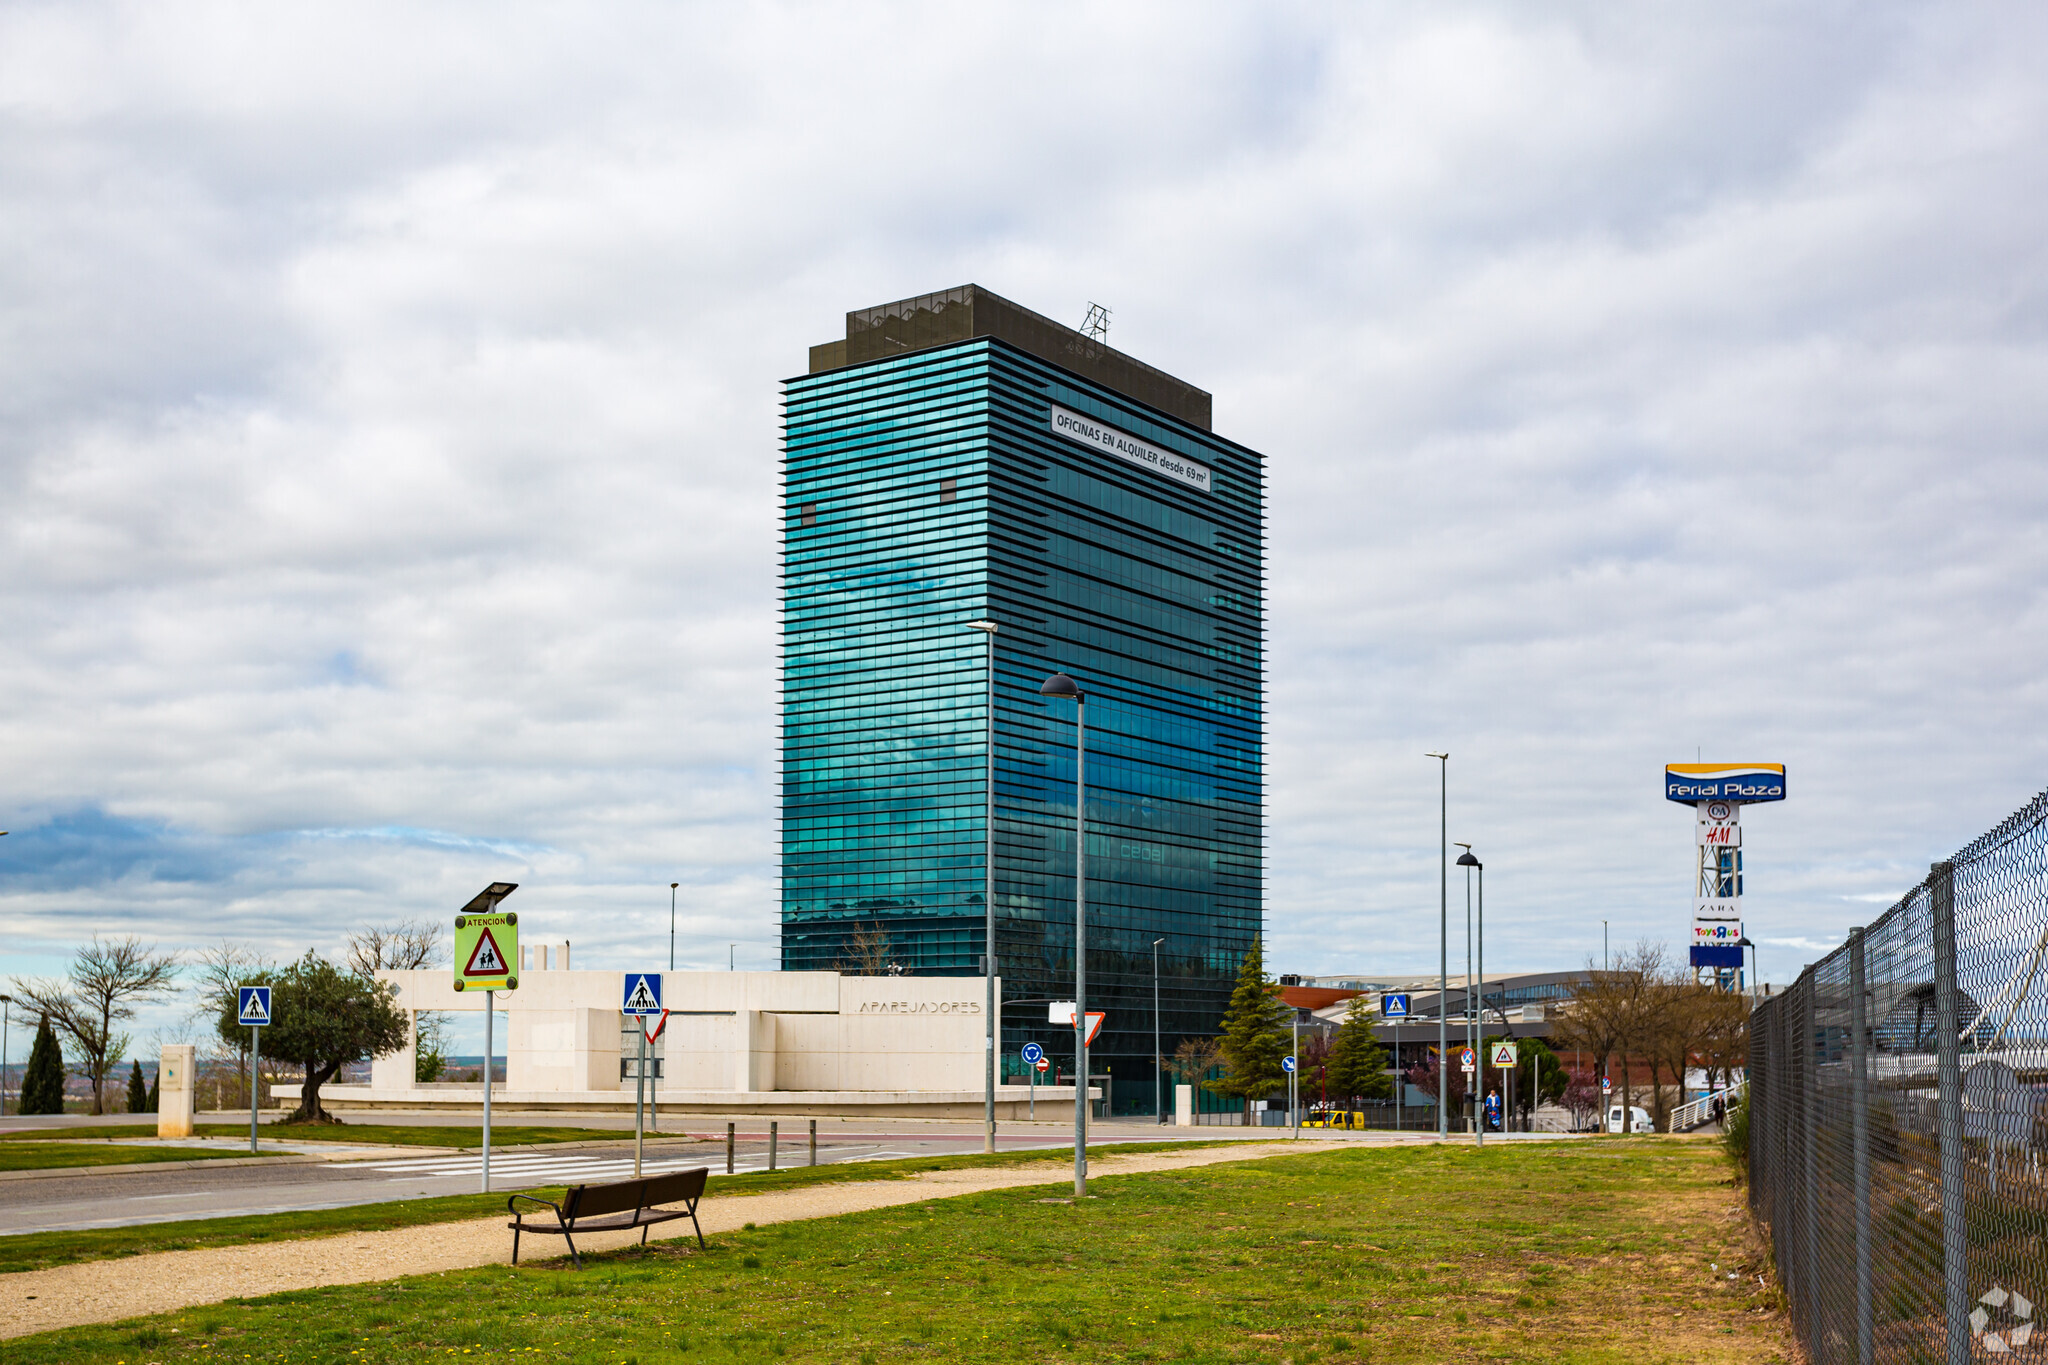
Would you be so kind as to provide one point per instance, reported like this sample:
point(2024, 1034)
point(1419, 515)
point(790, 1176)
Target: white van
point(1639, 1120)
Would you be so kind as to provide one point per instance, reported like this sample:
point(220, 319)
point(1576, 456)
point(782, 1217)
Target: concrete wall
point(738, 1032)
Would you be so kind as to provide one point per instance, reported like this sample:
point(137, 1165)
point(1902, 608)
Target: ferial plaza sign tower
point(1717, 792)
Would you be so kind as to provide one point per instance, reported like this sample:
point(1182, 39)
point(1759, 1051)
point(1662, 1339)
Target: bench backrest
point(625, 1196)
point(679, 1187)
point(591, 1201)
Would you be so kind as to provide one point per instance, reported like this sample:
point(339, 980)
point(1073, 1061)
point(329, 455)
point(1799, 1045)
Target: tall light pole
point(1468, 862)
point(1060, 685)
point(1158, 1058)
point(1443, 945)
point(988, 894)
point(6, 1004)
point(672, 924)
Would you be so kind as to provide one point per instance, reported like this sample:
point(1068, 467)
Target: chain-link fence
point(1899, 1113)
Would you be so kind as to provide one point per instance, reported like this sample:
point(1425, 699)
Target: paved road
point(123, 1196)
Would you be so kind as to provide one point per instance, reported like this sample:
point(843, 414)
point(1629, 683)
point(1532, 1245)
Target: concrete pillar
point(1184, 1106)
point(400, 1070)
point(176, 1079)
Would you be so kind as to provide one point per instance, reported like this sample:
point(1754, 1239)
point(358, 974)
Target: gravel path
point(135, 1286)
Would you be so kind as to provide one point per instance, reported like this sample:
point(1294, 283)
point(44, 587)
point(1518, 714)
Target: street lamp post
point(1443, 946)
point(1158, 1057)
point(1060, 685)
point(1468, 862)
point(6, 1005)
point(988, 894)
point(672, 924)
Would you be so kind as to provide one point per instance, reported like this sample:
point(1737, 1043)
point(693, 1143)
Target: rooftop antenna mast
point(1096, 324)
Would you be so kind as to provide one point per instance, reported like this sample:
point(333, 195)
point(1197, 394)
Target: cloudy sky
point(388, 435)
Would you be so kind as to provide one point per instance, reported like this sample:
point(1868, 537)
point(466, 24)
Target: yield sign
point(484, 958)
point(1095, 1019)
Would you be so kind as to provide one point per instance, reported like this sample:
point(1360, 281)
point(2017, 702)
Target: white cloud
point(390, 433)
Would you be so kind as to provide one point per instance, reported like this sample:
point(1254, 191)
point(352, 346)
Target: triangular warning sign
point(485, 959)
point(641, 998)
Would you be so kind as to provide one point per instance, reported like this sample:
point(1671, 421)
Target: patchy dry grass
point(1604, 1251)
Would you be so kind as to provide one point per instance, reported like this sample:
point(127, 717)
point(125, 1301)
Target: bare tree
point(1613, 1014)
point(106, 982)
point(406, 946)
point(867, 952)
point(219, 972)
point(1193, 1059)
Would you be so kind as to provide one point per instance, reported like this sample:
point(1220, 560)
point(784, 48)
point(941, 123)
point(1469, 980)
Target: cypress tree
point(154, 1078)
point(1254, 1034)
point(138, 1093)
point(42, 1084)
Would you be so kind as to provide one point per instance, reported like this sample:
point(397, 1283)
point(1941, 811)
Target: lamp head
point(673, 885)
point(988, 626)
point(1060, 685)
point(1466, 859)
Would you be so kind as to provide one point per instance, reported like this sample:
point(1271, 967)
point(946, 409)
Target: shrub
point(1735, 1133)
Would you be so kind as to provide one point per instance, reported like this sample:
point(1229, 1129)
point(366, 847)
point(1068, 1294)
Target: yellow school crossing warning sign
point(487, 952)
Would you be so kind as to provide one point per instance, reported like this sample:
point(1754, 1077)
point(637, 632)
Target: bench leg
point(515, 1244)
point(700, 1229)
point(645, 1228)
point(574, 1254)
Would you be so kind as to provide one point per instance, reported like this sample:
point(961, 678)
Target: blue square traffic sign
point(252, 1005)
point(642, 993)
point(1394, 1005)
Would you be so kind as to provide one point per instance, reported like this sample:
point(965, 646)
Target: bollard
point(728, 1149)
point(772, 1134)
point(814, 1142)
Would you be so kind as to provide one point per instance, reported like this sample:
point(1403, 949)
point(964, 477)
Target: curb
point(369, 1152)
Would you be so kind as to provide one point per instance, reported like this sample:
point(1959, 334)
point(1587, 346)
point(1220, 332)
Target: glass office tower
point(957, 458)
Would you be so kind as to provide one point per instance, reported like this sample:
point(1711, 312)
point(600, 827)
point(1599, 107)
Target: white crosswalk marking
point(541, 1169)
point(569, 1168)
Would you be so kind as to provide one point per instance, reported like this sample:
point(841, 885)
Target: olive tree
point(323, 1018)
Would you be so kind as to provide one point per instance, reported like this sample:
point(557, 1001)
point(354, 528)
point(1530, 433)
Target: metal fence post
point(728, 1149)
point(773, 1133)
point(814, 1142)
point(1809, 1185)
point(1948, 1065)
point(1859, 1139)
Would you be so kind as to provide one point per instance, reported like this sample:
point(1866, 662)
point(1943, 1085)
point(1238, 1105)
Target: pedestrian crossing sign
point(642, 994)
point(487, 952)
point(253, 1006)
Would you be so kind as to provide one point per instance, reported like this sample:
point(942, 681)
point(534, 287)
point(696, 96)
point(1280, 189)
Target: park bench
point(615, 1207)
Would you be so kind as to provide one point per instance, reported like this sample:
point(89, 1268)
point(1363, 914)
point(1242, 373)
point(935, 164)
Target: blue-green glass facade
point(928, 490)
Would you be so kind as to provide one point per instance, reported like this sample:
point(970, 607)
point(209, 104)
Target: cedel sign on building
point(1124, 446)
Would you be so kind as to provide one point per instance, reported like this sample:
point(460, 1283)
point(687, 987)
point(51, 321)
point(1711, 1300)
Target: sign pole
point(255, 1047)
point(639, 1090)
point(1294, 1079)
point(490, 1008)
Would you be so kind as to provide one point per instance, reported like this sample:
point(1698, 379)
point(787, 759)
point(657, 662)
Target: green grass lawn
point(391, 1134)
point(1608, 1251)
point(43, 1156)
point(39, 1250)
